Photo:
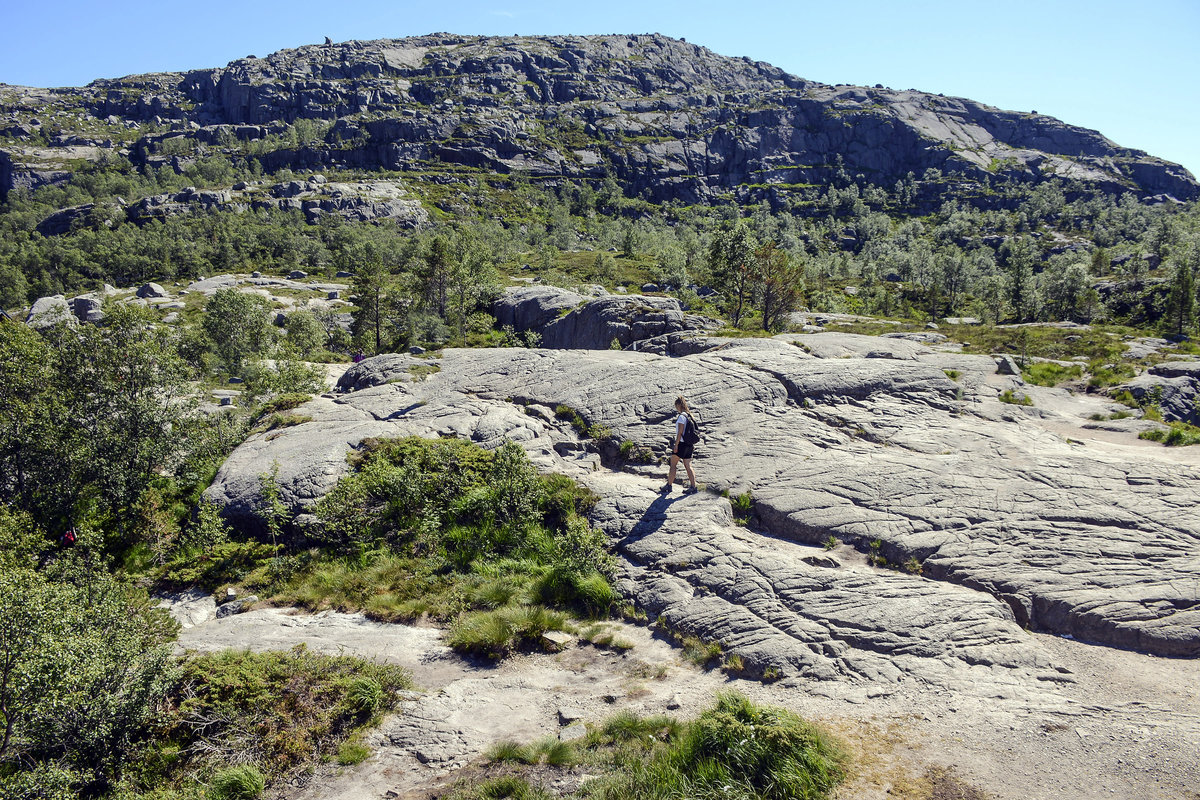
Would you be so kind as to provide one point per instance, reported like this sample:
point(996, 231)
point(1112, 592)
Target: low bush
point(736, 749)
point(494, 634)
point(284, 402)
point(242, 782)
point(1048, 373)
point(1012, 398)
point(272, 714)
point(1178, 434)
point(352, 752)
point(446, 529)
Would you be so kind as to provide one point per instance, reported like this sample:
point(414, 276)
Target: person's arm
point(679, 426)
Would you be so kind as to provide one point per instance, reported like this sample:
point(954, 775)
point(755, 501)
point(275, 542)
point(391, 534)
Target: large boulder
point(88, 308)
point(149, 291)
point(381, 369)
point(532, 308)
point(567, 320)
point(625, 320)
point(49, 311)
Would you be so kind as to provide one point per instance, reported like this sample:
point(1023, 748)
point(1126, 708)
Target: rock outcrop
point(1173, 386)
point(359, 201)
point(566, 320)
point(666, 118)
point(48, 311)
point(885, 454)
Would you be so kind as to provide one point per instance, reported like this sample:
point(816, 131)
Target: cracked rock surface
point(861, 439)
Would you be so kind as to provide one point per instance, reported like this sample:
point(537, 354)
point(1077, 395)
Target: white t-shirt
point(682, 420)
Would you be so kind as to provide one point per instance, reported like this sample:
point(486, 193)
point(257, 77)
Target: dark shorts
point(685, 450)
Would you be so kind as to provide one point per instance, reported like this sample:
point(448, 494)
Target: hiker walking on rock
point(686, 436)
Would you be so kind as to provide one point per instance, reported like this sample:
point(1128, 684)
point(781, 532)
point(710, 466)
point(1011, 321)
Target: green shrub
point(509, 751)
point(505, 786)
point(1012, 398)
point(1109, 374)
point(737, 749)
point(225, 562)
point(286, 420)
point(352, 752)
point(627, 727)
point(243, 782)
point(701, 652)
point(284, 402)
point(1047, 373)
point(630, 451)
point(280, 711)
point(555, 753)
point(1178, 434)
point(742, 504)
point(494, 634)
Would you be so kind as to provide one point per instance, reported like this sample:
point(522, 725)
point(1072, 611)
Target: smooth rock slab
point(1104, 547)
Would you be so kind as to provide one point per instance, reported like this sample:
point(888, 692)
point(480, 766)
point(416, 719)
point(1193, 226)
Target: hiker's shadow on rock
point(652, 518)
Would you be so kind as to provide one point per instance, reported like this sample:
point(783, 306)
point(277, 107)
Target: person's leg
point(671, 472)
point(687, 465)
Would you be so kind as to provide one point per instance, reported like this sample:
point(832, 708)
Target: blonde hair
point(681, 404)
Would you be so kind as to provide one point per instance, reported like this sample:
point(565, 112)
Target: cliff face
point(667, 119)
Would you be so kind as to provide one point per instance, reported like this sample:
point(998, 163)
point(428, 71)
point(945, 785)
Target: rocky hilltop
point(667, 119)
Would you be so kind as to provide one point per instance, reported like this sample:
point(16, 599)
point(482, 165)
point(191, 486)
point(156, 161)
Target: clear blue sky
point(1128, 69)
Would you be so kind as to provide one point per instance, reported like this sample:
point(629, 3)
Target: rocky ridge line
point(663, 116)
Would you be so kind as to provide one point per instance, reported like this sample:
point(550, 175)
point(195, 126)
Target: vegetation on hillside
point(735, 749)
point(1054, 251)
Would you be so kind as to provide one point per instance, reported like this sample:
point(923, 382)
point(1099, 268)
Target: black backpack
point(691, 431)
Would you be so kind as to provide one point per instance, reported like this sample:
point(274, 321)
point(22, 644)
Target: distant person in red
point(686, 436)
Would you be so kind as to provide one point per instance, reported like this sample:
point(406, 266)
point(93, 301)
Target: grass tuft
point(243, 782)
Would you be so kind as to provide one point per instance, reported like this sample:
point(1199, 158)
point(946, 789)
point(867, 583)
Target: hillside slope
point(667, 119)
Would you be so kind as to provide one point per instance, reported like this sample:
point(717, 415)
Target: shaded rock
point(65, 220)
point(230, 608)
point(570, 321)
point(1007, 365)
point(1174, 387)
point(88, 309)
point(626, 319)
point(567, 715)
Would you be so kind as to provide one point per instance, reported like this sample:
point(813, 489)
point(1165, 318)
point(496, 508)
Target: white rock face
point(1019, 516)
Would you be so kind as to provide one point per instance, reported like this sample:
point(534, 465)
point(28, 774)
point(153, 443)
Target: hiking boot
point(691, 490)
point(666, 489)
